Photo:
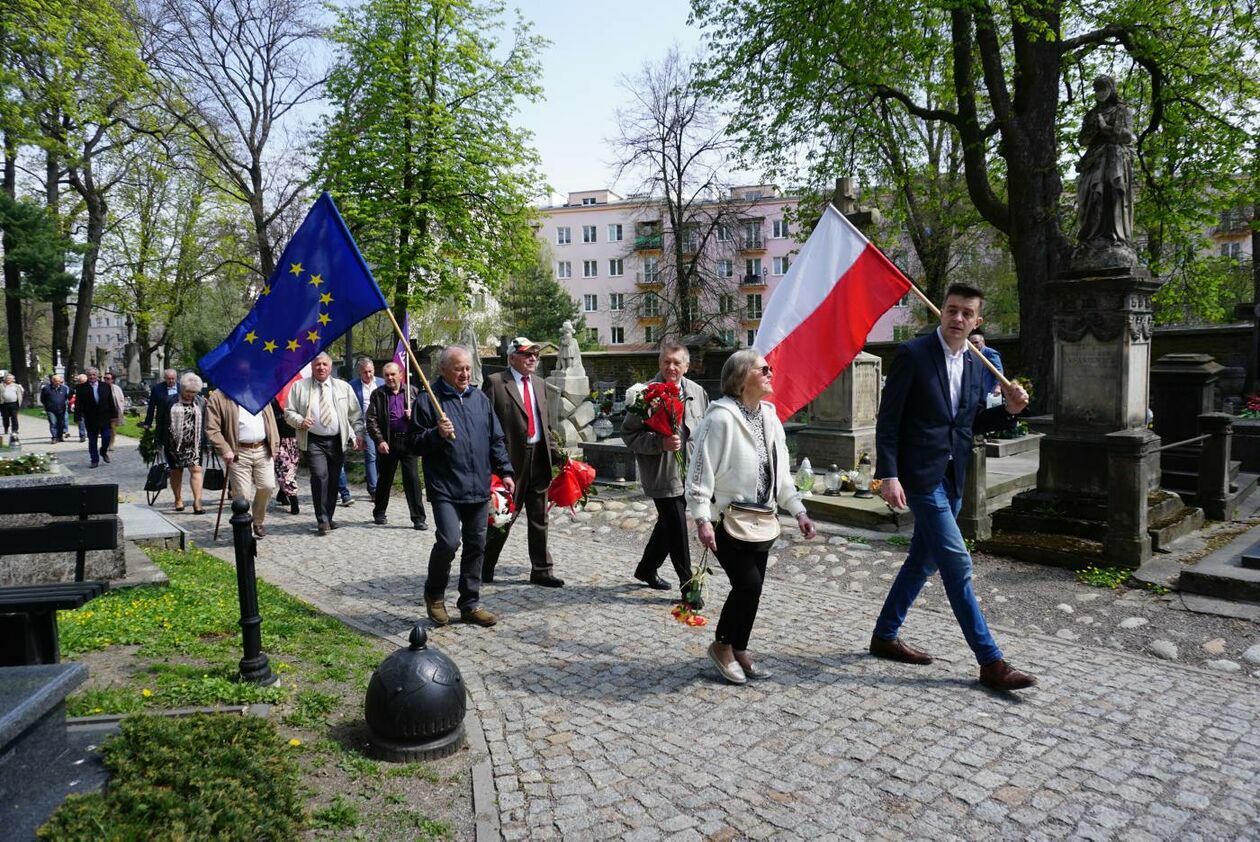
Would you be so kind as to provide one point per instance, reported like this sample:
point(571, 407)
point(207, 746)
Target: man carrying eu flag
point(326, 415)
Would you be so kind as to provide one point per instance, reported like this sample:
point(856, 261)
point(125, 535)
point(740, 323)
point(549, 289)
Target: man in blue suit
point(933, 404)
point(363, 386)
point(159, 395)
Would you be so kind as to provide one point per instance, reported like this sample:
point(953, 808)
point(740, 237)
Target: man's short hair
point(391, 364)
point(976, 331)
point(672, 347)
point(964, 291)
point(325, 355)
point(362, 363)
point(444, 356)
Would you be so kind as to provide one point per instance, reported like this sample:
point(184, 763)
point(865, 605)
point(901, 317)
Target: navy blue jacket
point(54, 399)
point(158, 397)
point(915, 435)
point(458, 471)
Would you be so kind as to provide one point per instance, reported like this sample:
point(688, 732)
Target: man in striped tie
point(325, 413)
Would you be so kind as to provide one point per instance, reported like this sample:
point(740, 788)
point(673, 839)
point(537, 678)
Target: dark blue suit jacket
point(916, 436)
point(357, 386)
point(158, 397)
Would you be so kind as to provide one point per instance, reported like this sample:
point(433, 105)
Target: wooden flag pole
point(936, 311)
point(424, 381)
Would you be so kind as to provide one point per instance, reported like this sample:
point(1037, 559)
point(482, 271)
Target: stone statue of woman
point(570, 361)
point(1104, 184)
point(468, 338)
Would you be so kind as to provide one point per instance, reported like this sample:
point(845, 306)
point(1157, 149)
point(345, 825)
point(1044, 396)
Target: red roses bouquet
point(573, 485)
point(662, 406)
point(502, 506)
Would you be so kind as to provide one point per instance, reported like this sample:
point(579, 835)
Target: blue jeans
point(457, 524)
point(56, 424)
point(369, 463)
point(343, 484)
point(938, 545)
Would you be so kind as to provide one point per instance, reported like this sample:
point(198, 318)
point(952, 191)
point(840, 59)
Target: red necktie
point(529, 406)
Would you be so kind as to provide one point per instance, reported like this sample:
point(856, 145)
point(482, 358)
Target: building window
point(726, 304)
point(590, 268)
point(651, 305)
point(589, 201)
point(723, 234)
point(725, 269)
point(614, 232)
point(752, 235)
point(588, 233)
point(751, 337)
point(649, 335)
point(752, 270)
point(564, 269)
point(754, 306)
point(592, 335)
point(563, 236)
point(903, 333)
point(615, 267)
point(727, 335)
point(693, 309)
point(779, 229)
point(618, 335)
point(904, 301)
point(590, 303)
point(616, 301)
point(780, 265)
point(649, 269)
point(1232, 250)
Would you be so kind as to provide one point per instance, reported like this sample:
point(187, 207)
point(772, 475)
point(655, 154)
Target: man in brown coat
point(519, 399)
point(247, 443)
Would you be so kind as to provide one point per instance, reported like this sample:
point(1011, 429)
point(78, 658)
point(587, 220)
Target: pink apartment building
point(606, 249)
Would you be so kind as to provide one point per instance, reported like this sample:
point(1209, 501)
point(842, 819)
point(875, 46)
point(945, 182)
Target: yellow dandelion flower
point(146, 692)
point(295, 742)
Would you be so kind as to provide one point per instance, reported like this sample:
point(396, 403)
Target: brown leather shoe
point(321, 528)
point(478, 617)
point(436, 609)
point(999, 675)
point(260, 531)
point(898, 650)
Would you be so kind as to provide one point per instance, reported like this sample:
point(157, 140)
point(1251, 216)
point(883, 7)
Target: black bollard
point(254, 666)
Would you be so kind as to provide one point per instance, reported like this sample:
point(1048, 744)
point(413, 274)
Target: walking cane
point(219, 518)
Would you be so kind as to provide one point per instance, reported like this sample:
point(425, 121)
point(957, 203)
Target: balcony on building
point(751, 240)
point(647, 237)
point(648, 279)
point(753, 280)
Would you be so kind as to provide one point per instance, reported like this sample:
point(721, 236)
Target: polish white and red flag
point(818, 317)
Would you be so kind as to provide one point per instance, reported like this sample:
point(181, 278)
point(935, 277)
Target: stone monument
point(842, 418)
point(131, 353)
point(569, 394)
point(468, 338)
point(1097, 494)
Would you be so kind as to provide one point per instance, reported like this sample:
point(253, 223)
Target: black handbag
point(213, 477)
point(156, 480)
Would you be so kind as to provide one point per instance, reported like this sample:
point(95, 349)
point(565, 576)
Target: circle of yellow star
point(269, 346)
point(266, 290)
point(295, 268)
point(316, 280)
point(324, 318)
point(291, 345)
point(325, 298)
point(251, 337)
point(312, 336)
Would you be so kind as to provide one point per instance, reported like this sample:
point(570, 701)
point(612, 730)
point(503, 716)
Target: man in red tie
point(519, 399)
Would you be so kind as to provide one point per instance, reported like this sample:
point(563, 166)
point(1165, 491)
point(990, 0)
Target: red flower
point(572, 485)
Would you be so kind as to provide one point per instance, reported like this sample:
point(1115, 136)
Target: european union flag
point(321, 288)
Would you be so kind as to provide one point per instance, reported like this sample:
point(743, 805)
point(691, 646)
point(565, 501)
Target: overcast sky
point(593, 45)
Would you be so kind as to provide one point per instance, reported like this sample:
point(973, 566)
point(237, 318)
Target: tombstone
point(468, 338)
point(132, 355)
point(842, 417)
point(569, 394)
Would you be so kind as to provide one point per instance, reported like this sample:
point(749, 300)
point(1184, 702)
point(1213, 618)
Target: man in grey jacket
point(655, 457)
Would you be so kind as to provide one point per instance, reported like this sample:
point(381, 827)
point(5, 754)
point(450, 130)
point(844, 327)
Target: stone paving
point(604, 718)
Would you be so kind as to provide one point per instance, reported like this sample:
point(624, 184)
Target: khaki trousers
point(253, 477)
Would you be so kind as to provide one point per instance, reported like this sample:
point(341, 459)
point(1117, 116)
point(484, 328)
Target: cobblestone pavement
point(604, 718)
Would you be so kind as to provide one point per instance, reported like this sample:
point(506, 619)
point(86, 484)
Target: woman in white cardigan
point(740, 455)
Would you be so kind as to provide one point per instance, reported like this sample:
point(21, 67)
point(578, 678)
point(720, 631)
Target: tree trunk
point(97, 210)
point(266, 259)
point(12, 277)
point(60, 310)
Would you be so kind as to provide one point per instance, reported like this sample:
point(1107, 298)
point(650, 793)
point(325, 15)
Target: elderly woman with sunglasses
point(740, 456)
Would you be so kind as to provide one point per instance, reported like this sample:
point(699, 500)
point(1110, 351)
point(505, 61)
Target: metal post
point(1214, 497)
point(254, 666)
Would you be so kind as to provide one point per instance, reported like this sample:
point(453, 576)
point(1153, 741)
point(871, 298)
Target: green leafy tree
point(34, 254)
point(536, 305)
point(1017, 71)
point(428, 170)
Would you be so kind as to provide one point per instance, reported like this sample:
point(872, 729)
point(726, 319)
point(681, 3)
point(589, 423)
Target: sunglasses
point(766, 371)
point(533, 355)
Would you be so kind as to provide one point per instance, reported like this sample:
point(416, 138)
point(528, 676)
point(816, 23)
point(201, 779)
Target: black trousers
point(386, 464)
point(746, 569)
point(456, 525)
point(325, 458)
point(669, 537)
point(532, 479)
point(9, 412)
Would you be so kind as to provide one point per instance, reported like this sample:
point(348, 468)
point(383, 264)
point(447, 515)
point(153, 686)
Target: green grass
point(130, 425)
point(341, 814)
point(190, 629)
point(209, 776)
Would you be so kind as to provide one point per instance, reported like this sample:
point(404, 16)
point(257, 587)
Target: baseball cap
point(523, 345)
